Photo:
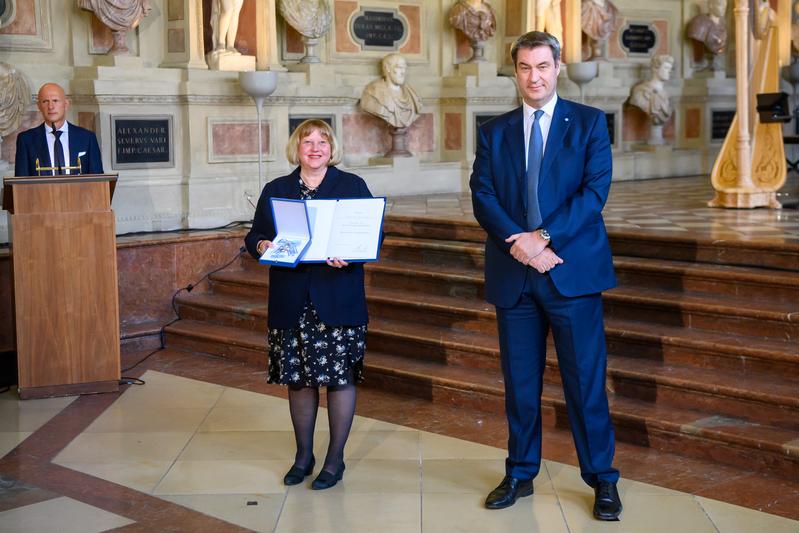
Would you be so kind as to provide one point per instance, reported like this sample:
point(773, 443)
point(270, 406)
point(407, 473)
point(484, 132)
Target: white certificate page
point(348, 229)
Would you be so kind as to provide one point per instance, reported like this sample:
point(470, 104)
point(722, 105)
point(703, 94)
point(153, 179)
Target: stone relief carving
point(598, 19)
point(710, 29)
point(311, 18)
point(393, 100)
point(15, 96)
point(120, 16)
point(476, 19)
point(651, 97)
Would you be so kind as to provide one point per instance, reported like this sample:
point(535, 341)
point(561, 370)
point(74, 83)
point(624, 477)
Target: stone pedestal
point(745, 199)
point(483, 72)
point(230, 62)
point(316, 73)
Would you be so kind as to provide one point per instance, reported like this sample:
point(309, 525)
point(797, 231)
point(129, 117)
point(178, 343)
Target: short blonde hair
point(306, 128)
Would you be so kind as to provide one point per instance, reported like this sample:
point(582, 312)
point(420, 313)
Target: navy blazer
point(32, 145)
point(573, 186)
point(338, 294)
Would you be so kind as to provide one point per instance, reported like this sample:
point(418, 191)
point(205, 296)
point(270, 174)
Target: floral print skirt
point(313, 354)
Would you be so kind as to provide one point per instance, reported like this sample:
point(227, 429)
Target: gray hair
point(534, 39)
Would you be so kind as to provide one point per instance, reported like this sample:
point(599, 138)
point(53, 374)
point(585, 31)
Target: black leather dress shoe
point(296, 474)
point(325, 479)
point(510, 490)
point(607, 504)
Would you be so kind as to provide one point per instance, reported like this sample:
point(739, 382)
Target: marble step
point(726, 391)
point(772, 255)
point(669, 344)
point(692, 432)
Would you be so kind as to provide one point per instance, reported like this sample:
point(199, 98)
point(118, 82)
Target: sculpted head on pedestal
point(119, 15)
point(390, 97)
point(650, 96)
point(475, 18)
point(15, 95)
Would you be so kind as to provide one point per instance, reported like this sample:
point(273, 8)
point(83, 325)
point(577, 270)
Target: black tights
point(303, 405)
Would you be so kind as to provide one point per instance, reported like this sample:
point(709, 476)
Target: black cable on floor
point(188, 288)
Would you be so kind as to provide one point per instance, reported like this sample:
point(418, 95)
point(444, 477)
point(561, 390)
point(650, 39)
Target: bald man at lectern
point(59, 146)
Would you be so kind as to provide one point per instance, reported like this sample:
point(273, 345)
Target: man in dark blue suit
point(56, 143)
point(541, 177)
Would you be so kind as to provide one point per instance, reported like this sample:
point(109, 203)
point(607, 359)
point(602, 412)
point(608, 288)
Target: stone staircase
point(703, 336)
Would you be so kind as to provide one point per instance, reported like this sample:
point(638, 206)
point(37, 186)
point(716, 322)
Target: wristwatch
point(544, 234)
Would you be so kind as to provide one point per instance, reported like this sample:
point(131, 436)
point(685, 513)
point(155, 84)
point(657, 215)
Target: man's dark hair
point(534, 39)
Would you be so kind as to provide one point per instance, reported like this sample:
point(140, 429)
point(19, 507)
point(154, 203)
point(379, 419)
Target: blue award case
point(293, 233)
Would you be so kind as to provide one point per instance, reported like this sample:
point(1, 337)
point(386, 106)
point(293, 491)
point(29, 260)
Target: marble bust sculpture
point(651, 97)
point(120, 16)
point(710, 29)
point(476, 20)
point(389, 97)
point(598, 19)
point(311, 18)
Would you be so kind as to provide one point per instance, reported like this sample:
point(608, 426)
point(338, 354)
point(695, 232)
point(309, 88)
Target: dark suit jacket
point(32, 144)
point(572, 189)
point(337, 293)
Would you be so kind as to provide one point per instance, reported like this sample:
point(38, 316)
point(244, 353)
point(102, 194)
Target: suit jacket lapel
point(74, 145)
point(42, 152)
point(561, 120)
point(514, 144)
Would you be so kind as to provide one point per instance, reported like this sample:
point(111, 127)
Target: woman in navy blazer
point(317, 312)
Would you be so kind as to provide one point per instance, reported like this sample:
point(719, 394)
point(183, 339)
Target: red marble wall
point(102, 38)
point(693, 123)
point(365, 134)
point(238, 138)
point(25, 20)
point(341, 15)
point(453, 131)
point(414, 43)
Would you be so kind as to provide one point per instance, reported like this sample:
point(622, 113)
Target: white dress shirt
point(545, 122)
point(64, 129)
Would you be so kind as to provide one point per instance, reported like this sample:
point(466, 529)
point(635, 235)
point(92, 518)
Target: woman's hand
point(335, 262)
point(262, 246)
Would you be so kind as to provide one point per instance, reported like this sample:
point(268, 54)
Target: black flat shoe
point(607, 504)
point(296, 474)
point(510, 490)
point(325, 479)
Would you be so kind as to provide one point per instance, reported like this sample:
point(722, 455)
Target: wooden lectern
point(63, 251)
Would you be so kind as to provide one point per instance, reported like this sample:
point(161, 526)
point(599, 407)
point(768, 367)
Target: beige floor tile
point(442, 447)
point(15, 418)
point(362, 423)
point(465, 513)
point(474, 476)
point(64, 515)
point(398, 445)
point(233, 397)
point(11, 397)
point(11, 439)
point(123, 447)
point(273, 418)
point(367, 476)
point(224, 477)
point(327, 511)
point(567, 478)
point(643, 512)
point(142, 476)
point(730, 518)
point(260, 515)
point(132, 419)
point(236, 445)
point(176, 392)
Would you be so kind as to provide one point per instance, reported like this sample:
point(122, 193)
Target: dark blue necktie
point(535, 152)
point(58, 152)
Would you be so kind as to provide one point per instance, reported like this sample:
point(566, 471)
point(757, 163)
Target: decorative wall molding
point(41, 41)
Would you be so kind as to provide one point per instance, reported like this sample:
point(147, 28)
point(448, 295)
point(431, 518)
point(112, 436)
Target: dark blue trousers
point(578, 330)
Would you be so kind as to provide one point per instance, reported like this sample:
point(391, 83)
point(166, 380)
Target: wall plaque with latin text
point(141, 141)
point(638, 39)
point(378, 29)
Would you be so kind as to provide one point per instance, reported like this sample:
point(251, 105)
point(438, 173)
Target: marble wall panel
point(342, 11)
point(421, 134)
point(463, 48)
point(636, 125)
point(414, 43)
point(453, 131)
point(364, 134)
point(195, 259)
point(86, 119)
point(6, 305)
point(693, 123)
point(176, 40)
point(175, 10)
point(236, 139)
point(25, 21)
point(101, 38)
point(294, 44)
point(147, 281)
